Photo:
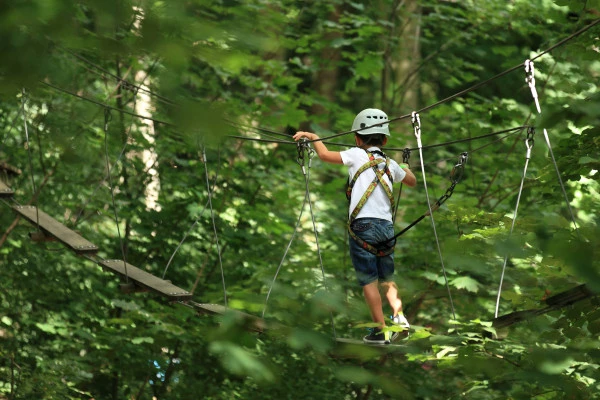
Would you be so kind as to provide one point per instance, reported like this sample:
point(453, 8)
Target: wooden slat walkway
point(146, 280)
point(555, 302)
point(255, 323)
point(5, 191)
point(54, 228)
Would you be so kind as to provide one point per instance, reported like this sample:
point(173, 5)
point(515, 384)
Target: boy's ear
point(384, 140)
point(358, 140)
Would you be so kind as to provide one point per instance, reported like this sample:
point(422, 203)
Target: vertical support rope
point(107, 118)
point(27, 144)
point(530, 79)
point(417, 128)
point(212, 217)
point(529, 145)
point(312, 215)
point(287, 249)
point(562, 186)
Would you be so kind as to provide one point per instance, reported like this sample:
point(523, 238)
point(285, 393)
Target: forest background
point(186, 193)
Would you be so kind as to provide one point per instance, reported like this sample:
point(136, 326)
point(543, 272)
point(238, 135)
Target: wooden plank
point(555, 302)
point(570, 296)
point(5, 191)
point(54, 228)
point(256, 324)
point(361, 343)
point(146, 280)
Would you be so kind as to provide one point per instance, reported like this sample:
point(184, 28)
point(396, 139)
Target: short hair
point(372, 140)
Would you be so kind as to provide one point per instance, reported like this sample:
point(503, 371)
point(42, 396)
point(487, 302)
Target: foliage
point(155, 190)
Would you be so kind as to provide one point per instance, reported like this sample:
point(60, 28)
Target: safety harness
point(381, 249)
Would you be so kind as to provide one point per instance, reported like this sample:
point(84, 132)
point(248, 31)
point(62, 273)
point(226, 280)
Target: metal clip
point(303, 145)
point(416, 122)
point(406, 155)
point(107, 118)
point(459, 169)
point(530, 80)
point(529, 142)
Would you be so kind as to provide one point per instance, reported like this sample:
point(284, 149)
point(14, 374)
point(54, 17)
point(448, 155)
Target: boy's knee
point(388, 284)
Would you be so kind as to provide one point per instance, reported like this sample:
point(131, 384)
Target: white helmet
point(368, 119)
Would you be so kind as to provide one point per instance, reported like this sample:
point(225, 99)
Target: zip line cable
point(126, 84)
point(104, 105)
point(458, 94)
point(471, 88)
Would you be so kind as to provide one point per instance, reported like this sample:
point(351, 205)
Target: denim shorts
point(368, 267)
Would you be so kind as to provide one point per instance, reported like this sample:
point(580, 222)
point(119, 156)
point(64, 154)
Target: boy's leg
point(391, 293)
point(373, 299)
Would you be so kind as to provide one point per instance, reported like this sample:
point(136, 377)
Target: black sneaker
point(377, 337)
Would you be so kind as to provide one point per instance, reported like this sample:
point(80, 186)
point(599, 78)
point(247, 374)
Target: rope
point(124, 83)
point(214, 224)
point(24, 112)
point(104, 105)
point(107, 118)
point(471, 88)
point(417, 128)
point(562, 186)
point(530, 79)
point(529, 145)
point(312, 215)
point(134, 98)
point(287, 249)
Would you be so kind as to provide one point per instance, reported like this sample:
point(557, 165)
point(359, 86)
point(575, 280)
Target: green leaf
point(140, 340)
point(465, 282)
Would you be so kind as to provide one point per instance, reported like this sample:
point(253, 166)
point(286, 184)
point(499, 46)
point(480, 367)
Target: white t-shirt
point(378, 204)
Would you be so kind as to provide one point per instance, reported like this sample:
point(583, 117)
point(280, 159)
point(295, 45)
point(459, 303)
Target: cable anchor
point(530, 80)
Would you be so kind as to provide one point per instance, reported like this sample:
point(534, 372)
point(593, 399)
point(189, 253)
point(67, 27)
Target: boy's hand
point(309, 135)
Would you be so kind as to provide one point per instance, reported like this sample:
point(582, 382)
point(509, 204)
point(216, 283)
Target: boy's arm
point(409, 179)
point(324, 154)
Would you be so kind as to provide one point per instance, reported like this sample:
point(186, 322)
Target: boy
point(371, 175)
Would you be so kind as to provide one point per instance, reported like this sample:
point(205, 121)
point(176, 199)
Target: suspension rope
point(125, 144)
point(529, 141)
point(107, 119)
point(417, 129)
point(214, 224)
point(560, 181)
point(28, 145)
point(190, 228)
point(310, 154)
point(104, 105)
point(405, 160)
point(301, 162)
point(530, 79)
point(473, 87)
point(123, 82)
